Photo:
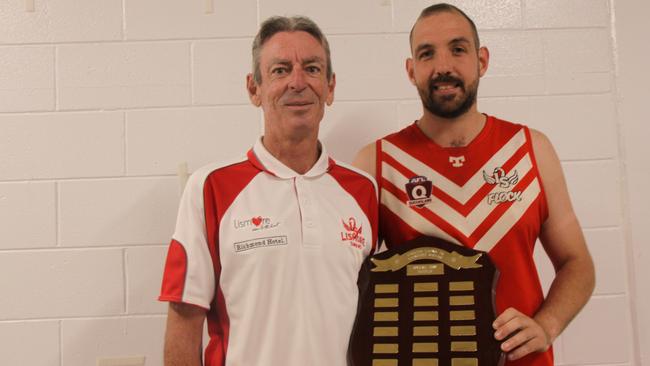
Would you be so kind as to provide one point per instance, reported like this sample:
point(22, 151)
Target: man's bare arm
point(183, 338)
point(565, 245)
point(365, 159)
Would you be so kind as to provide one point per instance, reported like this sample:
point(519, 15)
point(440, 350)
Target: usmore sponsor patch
point(270, 241)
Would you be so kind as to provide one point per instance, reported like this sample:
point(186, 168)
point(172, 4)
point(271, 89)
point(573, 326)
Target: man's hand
point(522, 334)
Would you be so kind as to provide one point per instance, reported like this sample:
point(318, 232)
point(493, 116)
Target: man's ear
point(253, 90)
point(330, 90)
point(483, 60)
point(409, 70)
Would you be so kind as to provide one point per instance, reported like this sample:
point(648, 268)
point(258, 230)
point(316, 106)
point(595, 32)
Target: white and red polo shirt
point(274, 257)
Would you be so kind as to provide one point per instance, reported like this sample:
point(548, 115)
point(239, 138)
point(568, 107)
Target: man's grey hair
point(278, 24)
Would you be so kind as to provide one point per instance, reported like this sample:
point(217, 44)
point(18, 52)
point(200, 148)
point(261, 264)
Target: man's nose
point(298, 79)
point(443, 64)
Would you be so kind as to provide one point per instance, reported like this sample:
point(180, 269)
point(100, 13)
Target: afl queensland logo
point(418, 190)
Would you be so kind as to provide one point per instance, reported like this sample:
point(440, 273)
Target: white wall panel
point(158, 141)
point(61, 283)
point(61, 145)
point(117, 211)
point(26, 78)
point(110, 76)
point(85, 341)
point(60, 21)
point(27, 215)
point(172, 19)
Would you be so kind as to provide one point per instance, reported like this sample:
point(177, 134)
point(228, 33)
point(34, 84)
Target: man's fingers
point(513, 325)
point(505, 317)
point(535, 344)
point(517, 339)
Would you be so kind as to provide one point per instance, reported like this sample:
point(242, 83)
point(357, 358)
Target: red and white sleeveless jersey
point(487, 196)
point(274, 257)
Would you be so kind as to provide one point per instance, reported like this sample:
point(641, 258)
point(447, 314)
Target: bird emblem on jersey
point(500, 177)
point(351, 227)
point(352, 233)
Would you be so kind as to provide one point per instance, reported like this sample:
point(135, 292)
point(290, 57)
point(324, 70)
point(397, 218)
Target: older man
point(484, 183)
point(268, 247)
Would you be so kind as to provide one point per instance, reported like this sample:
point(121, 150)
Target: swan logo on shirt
point(502, 180)
point(255, 223)
point(352, 233)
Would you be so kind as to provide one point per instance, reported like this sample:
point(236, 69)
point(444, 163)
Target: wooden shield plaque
point(427, 302)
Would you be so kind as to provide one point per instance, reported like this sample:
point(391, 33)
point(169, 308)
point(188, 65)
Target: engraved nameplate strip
point(387, 288)
point(385, 348)
point(425, 331)
point(463, 330)
point(425, 362)
point(386, 316)
point(425, 287)
point(461, 286)
point(385, 332)
point(425, 301)
point(425, 316)
point(384, 362)
point(425, 270)
point(462, 315)
point(386, 303)
point(464, 362)
point(461, 300)
point(425, 347)
point(464, 347)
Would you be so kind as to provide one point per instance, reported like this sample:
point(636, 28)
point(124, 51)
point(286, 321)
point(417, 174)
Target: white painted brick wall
point(28, 215)
point(160, 140)
point(26, 79)
point(117, 211)
point(61, 145)
point(61, 283)
point(143, 280)
point(123, 75)
point(336, 16)
point(219, 70)
point(361, 62)
point(88, 197)
point(83, 341)
point(37, 341)
point(172, 19)
point(566, 13)
point(60, 21)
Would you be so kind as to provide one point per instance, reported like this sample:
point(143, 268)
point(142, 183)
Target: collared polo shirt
point(274, 257)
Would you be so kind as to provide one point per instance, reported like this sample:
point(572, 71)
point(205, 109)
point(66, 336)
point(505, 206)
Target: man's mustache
point(445, 78)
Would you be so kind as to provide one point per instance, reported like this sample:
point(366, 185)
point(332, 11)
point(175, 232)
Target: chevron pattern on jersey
point(476, 212)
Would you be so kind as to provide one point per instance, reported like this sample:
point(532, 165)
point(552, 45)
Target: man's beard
point(445, 106)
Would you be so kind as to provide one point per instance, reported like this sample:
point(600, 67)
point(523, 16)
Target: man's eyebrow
point(424, 46)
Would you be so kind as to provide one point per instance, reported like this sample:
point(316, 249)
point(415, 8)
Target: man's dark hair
point(278, 24)
point(446, 8)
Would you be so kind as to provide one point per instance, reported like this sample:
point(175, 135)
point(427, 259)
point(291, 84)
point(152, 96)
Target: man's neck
point(298, 154)
point(457, 132)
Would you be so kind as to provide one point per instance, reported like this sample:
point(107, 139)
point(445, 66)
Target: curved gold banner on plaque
point(399, 261)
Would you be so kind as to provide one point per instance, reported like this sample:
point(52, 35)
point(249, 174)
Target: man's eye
point(425, 54)
point(279, 71)
point(458, 50)
point(312, 69)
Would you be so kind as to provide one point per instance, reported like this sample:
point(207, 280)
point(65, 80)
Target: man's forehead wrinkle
point(303, 61)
